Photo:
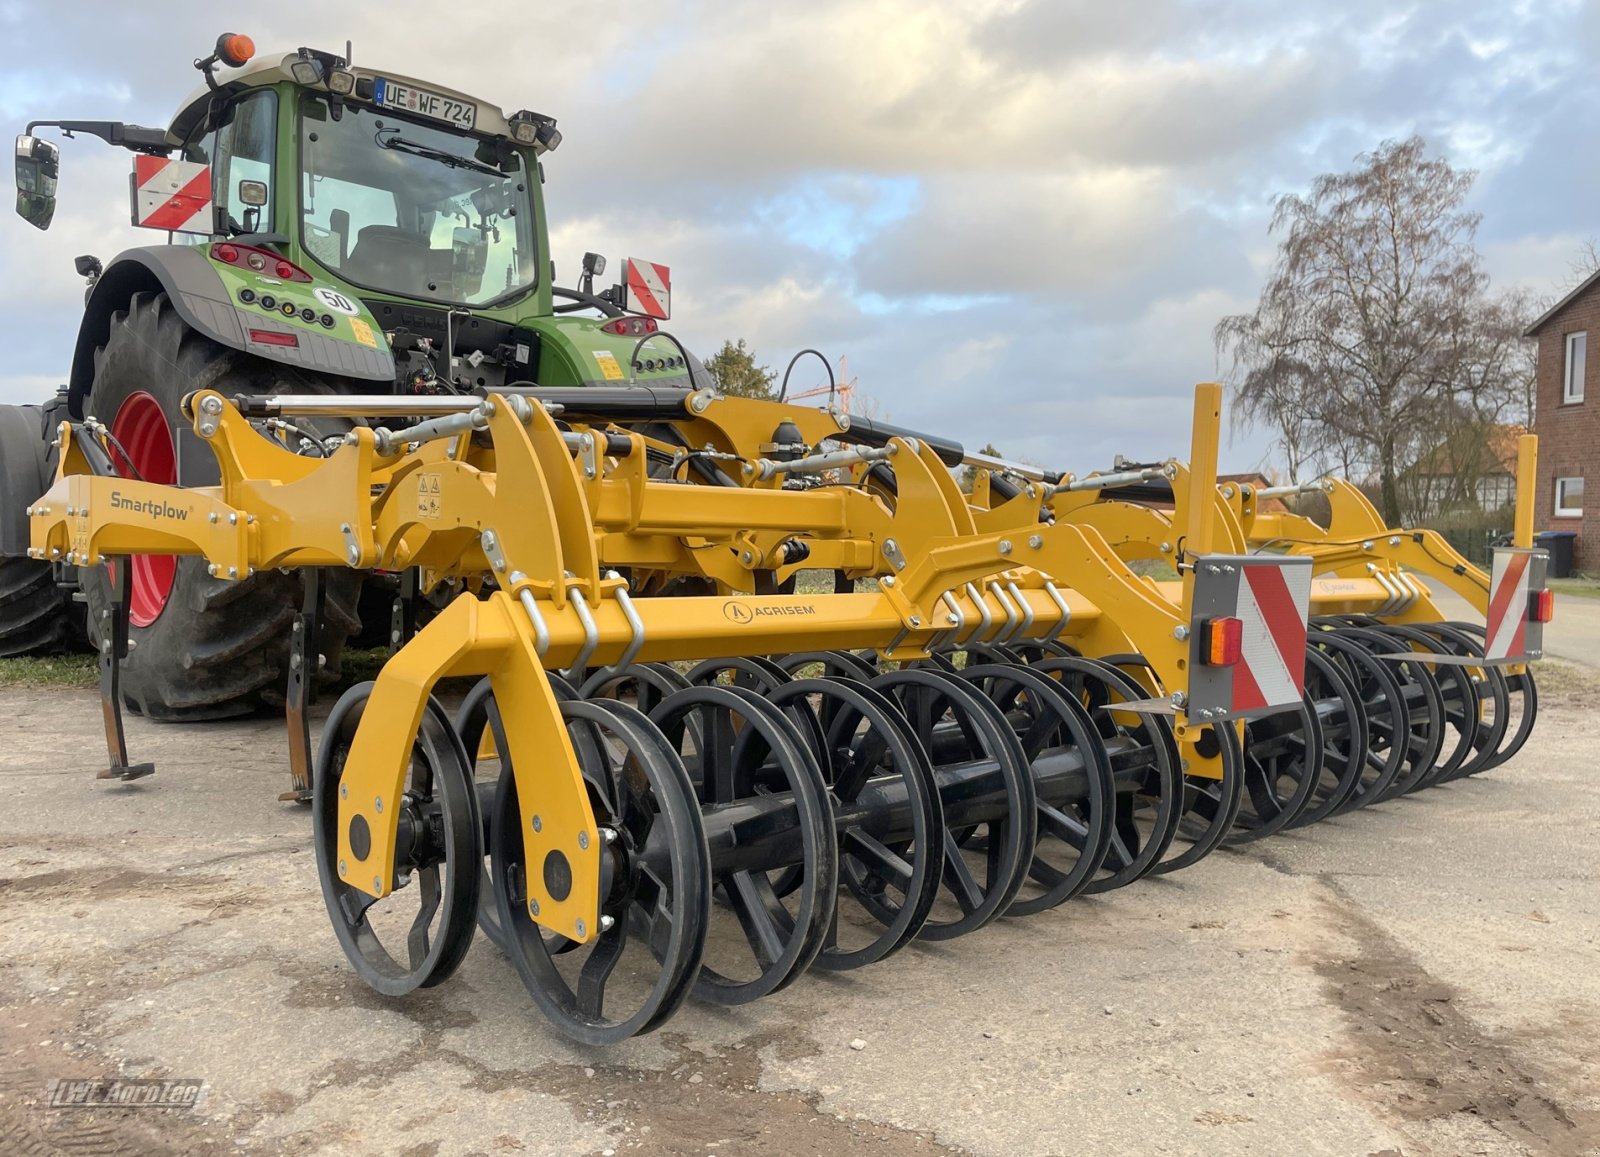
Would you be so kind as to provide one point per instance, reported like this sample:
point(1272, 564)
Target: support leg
point(113, 649)
point(403, 618)
point(302, 673)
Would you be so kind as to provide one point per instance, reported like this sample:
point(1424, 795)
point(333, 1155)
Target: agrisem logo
point(743, 613)
point(155, 509)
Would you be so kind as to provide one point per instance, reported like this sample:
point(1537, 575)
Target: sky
point(1018, 220)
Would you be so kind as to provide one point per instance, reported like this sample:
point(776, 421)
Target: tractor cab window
point(412, 208)
point(241, 150)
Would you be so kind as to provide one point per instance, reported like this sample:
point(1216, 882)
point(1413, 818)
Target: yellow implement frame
point(501, 490)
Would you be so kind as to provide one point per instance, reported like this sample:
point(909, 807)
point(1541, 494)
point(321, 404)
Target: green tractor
point(329, 229)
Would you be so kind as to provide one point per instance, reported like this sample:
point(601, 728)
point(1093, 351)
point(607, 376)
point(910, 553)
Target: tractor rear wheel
point(36, 616)
point(201, 647)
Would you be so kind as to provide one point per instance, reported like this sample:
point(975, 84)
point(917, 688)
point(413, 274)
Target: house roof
point(1438, 462)
point(1578, 291)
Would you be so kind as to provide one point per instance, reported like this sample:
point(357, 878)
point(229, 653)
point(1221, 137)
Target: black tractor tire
point(218, 648)
point(36, 616)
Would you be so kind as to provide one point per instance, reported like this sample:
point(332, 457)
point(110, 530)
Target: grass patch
point(1585, 588)
point(74, 672)
point(820, 582)
point(1564, 684)
point(357, 667)
point(82, 672)
point(1156, 568)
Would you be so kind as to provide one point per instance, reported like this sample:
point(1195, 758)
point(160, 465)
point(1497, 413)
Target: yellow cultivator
point(986, 712)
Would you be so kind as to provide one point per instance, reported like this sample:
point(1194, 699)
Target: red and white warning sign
point(172, 195)
point(1247, 651)
point(1271, 671)
point(649, 288)
point(1518, 605)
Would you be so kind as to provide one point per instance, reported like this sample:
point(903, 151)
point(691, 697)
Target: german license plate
point(433, 105)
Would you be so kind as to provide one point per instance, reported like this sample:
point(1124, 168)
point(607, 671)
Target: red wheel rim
point(141, 427)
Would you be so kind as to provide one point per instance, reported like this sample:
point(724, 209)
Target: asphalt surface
point(1422, 977)
point(1574, 634)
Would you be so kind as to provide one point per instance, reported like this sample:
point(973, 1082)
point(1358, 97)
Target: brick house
point(1567, 399)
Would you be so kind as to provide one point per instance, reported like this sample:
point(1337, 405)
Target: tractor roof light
point(235, 49)
point(306, 72)
point(313, 67)
point(532, 128)
point(342, 81)
point(232, 49)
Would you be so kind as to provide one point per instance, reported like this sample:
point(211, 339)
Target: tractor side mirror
point(38, 167)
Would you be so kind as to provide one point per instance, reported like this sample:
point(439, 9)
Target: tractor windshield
point(412, 208)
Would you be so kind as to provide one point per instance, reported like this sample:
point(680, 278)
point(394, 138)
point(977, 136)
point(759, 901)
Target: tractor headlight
point(306, 72)
point(341, 82)
point(525, 132)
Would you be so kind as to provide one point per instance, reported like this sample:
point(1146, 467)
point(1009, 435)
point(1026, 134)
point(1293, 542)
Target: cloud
point(1017, 219)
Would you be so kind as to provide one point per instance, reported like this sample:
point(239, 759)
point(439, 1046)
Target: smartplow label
point(153, 507)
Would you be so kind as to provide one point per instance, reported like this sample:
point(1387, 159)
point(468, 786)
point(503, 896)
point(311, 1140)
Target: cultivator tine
point(303, 664)
point(113, 649)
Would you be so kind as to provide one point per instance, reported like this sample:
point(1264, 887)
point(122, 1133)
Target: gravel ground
point(1419, 978)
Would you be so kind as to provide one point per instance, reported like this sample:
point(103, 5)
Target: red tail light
point(630, 326)
point(258, 261)
point(1222, 642)
point(1541, 606)
point(273, 337)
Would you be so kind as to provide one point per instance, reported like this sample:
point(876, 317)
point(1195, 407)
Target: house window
point(1577, 355)
point(1569, 497)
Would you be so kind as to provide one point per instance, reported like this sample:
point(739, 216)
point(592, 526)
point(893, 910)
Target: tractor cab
point(410, 208)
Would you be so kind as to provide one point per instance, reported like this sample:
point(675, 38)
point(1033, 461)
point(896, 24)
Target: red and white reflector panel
point(173, 195)
point(1248, 646)
point(1513, 627)
point(649, 288)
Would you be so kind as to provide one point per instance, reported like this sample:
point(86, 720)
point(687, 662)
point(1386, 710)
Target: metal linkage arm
point(1317, 486)
point(767, 468)
point(1112, 481)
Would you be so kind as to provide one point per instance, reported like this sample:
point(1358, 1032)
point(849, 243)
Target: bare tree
point(1374, 333)
point(1584, 265)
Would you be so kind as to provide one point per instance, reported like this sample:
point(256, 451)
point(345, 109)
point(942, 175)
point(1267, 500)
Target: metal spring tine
point(960, 620)
point(1066, 612)
point(1024, 607)
point(635, 624)
point(1415, 588)
point(1013, 619)
point(985, 618)
point(1383, 607)
point(1402, 594)
point(541, 632)
point(1393, 605)
point(1397, 599)
point(591, 636)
